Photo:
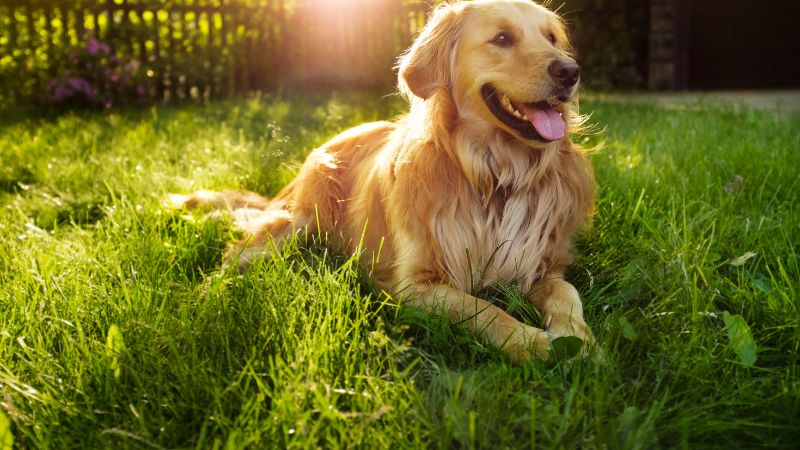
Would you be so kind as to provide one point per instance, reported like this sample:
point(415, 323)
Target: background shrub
point(95, 75)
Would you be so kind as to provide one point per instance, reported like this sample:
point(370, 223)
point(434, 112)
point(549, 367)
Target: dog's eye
point(503, 39)
point(552, 38)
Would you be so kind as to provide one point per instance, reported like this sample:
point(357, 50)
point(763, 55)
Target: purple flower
point(93, 47)
point(60, 93)
point(95, 75)
point(141, 91)
point(71, 86)
point(86, 89)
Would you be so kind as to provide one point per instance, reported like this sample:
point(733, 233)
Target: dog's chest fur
point(513, 232)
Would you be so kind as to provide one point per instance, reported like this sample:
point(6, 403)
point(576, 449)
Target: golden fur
point(452, 198)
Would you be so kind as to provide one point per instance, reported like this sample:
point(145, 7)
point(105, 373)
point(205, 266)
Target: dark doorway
point(743, 44)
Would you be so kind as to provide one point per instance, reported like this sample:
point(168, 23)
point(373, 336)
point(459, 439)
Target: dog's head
point(505, 64)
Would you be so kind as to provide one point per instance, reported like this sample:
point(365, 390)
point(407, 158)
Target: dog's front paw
point(527, 343)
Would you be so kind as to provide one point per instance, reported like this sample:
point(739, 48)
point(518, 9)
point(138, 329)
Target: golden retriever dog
point(479, 182)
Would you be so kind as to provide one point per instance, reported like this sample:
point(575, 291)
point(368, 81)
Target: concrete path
point(783, 102)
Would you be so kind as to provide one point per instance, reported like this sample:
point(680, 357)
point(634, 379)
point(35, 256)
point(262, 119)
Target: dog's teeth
point(525, 116)
point(506, 102)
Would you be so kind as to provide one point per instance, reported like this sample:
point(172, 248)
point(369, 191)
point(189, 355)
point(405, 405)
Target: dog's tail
point(261, 221)
point(219, 201)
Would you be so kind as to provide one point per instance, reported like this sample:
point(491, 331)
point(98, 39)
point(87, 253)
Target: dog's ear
point(426, 64)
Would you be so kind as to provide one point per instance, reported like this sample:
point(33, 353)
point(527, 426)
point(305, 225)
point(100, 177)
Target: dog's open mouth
point(537, 120)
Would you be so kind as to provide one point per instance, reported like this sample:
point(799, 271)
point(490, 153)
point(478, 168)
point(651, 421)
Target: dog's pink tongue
point(548, 122)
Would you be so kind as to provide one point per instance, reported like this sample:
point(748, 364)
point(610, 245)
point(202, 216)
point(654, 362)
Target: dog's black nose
point(566, 72)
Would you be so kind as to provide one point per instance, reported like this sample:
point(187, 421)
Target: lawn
point(118, 330)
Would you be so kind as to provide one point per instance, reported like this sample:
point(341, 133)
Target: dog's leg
point(561, 305)
point(521, 342)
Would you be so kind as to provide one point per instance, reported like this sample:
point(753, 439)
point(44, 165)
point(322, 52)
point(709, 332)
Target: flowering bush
point(94, 75)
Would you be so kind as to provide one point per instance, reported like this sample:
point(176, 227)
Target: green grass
point(301, 352)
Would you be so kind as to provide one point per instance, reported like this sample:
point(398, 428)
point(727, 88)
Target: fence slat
point(211, 51)
point(225, 44)
point(110, 26)
point(186, 77)
point(158, 69)
point(32, 45)
point(141, 39)
point(79, 14)
point(6, 87)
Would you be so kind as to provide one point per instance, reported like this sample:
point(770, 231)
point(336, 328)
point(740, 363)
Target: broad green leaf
point(628, 424)
point(633, 267)
point(635, 429)
point(115, 346)
point(6, 438)
point(739, 261)
point(565, 347)
point(627, 329)
point(741, 338)
point(762, 283)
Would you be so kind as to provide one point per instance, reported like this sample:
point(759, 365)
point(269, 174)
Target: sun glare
point(335, 3)
point(338, 4)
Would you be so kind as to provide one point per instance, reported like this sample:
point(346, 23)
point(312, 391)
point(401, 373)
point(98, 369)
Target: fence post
point(110, 34)
point(158, 69)
point(225, 41)
point(198, 81)
point(11, 50)
point(211, 80)
point(173, 81)
point(79, 13)
point(32, 37)
point(143, 55)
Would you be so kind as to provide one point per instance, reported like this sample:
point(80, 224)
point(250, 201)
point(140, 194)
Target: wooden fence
point(209, 47)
